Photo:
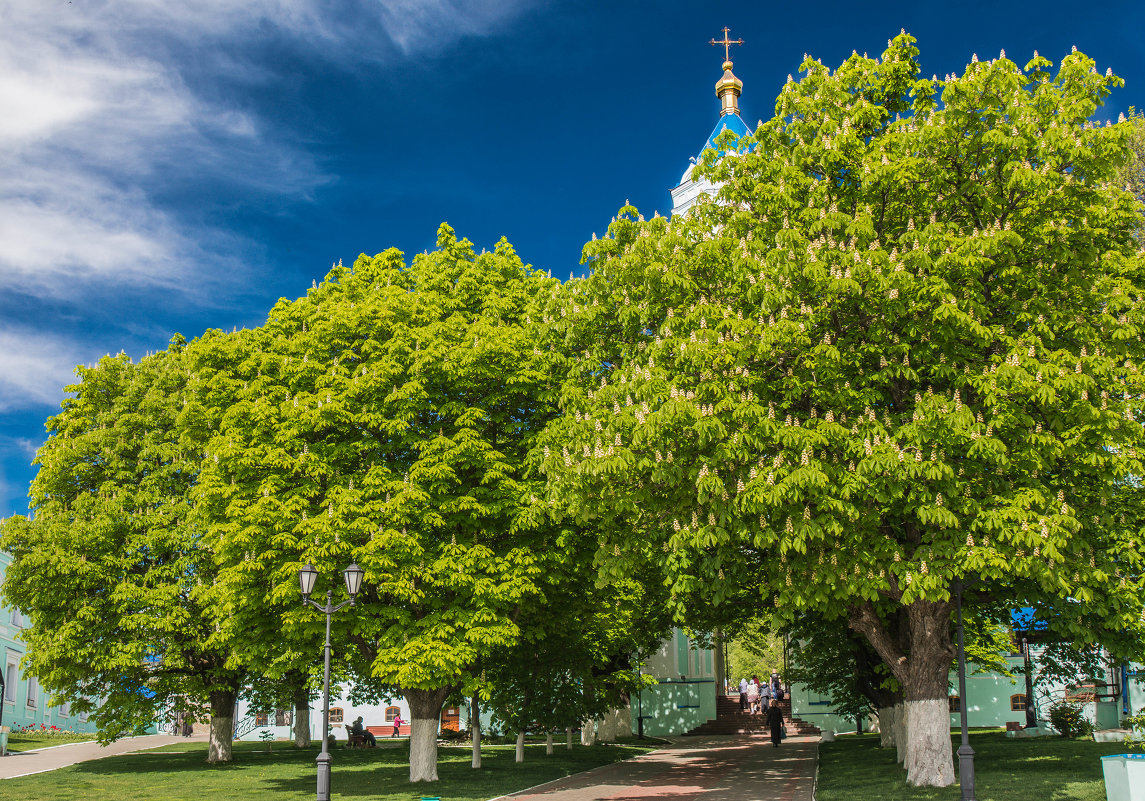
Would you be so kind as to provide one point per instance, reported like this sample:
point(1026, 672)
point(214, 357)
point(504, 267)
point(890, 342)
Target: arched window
point(1018, 702)
point(392, 712)
point(954, 703)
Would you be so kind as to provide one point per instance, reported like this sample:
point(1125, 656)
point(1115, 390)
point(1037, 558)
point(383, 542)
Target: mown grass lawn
point(854, 768)
point(178, 772)
point(18, 741)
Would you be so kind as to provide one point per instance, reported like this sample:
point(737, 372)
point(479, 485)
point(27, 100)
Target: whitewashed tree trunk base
point(219, 746)
point(588, 732)
point(901, 743)
point(423, 750)
point(606, 728)
point(624, 721)
point(548, 743)
point(222, 726)
point(568, 738)
point(519, 754)
point(929, 758)
point(302, 726)
point(475, 729)
point(886, 727)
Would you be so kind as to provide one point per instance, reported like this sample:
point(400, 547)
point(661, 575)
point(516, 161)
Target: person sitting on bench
point(360, 733)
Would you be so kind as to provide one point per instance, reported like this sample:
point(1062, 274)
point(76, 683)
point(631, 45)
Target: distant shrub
point(1136, 725)
point(451, 736)
point(1069, 721)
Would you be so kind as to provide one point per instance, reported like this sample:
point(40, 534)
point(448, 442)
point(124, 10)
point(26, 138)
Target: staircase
point(730, 720)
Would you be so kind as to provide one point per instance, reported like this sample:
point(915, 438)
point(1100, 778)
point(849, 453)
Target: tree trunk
point(924, 673)
point(900, 733)
point(568, 738)
point(606, 728)
point(886, 727)
point(301, 718)
point(548, 743)
point(519, 754)
point(588, 732)
point(475, 731)
point(222, 726)
point(624, 721)
point(926, 692)
point(425, 713)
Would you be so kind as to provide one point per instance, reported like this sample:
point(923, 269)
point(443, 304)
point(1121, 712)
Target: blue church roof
point(727, 122)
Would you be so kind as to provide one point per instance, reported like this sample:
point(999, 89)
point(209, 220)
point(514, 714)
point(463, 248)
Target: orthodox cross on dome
point(728, 87)
point(727, 43)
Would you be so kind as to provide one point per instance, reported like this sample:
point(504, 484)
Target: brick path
point(716, 768)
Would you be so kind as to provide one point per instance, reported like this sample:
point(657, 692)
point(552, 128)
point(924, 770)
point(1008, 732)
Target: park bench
point(358, 740)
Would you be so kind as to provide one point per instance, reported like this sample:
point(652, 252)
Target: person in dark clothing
point(774, 720)
point(358, 729)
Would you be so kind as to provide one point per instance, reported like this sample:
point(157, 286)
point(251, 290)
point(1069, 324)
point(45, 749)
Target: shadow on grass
point(1042, 769)
point(180, 771)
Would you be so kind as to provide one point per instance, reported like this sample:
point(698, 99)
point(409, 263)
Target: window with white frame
point(33, 692)
point(64, 709)
point(10, 683)
point(17, 618)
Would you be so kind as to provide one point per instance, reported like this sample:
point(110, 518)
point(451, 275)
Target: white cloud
point(106, 104)
point(34, 368)
point(97, 109)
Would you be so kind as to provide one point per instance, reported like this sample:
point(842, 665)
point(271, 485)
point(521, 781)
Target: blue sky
point(180, 166)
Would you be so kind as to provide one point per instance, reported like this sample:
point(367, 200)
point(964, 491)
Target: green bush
point(1136, 726)
point(1068, 720)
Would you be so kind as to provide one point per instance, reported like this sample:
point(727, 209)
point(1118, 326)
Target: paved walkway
point(22, 763)
point(715, 768)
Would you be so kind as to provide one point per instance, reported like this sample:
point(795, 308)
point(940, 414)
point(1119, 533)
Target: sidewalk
point(715, 768)
point(21, 763)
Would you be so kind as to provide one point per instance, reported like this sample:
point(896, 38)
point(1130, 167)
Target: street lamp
point(307, 577)
point(965, 752)
point(1031, 715)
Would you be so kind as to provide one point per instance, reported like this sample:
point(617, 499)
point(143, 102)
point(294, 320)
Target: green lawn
point(26, 742)
point(854, 768)
point(382, 774)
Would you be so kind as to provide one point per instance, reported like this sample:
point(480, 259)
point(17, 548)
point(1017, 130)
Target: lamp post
point(307, 576)
point(965, 752)
point(1031, 715)
point(640, 704)
point(3, 692)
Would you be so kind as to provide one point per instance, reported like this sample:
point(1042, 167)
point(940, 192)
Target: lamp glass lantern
point(307, 577)
point(353, 575)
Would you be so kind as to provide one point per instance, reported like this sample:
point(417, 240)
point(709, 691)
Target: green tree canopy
point(111, 567)
point(385, 418)
point(902, 349)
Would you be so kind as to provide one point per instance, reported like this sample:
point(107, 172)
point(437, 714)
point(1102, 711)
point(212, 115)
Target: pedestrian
point(776, 686)
point(743, 695)
point(765, 695)
point(774, 721)
point(753, 695)
point(397, 725)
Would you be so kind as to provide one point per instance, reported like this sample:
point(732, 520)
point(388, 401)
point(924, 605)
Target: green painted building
point(25, 702)
point(994, 699)
point(685, 694)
